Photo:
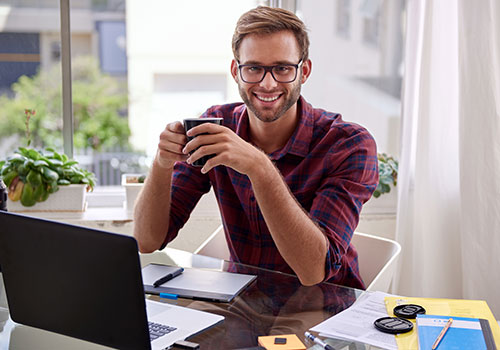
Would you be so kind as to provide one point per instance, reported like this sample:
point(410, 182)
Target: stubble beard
point(288, 103)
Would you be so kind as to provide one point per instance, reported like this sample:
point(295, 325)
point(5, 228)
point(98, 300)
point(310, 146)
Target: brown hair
point(268, 20)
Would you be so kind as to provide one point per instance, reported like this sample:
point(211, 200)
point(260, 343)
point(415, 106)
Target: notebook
point(464, 333)
point(86, 284)
point(219, 286)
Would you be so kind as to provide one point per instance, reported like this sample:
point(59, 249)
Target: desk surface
point(274, 304)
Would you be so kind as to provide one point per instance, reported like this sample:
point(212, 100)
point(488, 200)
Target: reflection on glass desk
point(275, 303)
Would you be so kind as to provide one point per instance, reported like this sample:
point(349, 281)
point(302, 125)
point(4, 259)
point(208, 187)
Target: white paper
point(356, 322)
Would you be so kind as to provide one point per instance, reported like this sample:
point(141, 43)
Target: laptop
point(86, 284)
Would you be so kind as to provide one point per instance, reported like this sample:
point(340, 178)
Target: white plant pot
point(67, 198)
point(132, 190)
point(385, 204)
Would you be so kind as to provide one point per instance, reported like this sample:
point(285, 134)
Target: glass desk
point(275, 303)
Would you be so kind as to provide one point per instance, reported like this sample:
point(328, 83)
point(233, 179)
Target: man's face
point(269, 100)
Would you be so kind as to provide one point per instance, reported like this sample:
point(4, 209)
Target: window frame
point(67, 98)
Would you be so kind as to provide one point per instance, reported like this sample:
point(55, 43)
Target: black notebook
point(196, 283)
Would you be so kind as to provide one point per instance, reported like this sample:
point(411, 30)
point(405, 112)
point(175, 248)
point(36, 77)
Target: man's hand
point(172, 141)
point(227, 147)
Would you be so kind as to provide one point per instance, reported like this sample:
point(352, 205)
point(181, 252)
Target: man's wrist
point(164, 165)
point(263, 170)
point(160, 172)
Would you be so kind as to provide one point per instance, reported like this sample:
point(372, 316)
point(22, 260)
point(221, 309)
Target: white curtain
point(479, 67)
point(449, 180)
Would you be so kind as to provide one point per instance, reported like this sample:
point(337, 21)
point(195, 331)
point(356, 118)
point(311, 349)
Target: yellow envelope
point(442, 307)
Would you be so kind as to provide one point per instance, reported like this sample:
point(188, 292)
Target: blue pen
point(168, 296)
point(318, 341)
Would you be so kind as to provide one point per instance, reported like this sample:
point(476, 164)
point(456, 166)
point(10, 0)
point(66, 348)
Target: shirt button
point(252, 199)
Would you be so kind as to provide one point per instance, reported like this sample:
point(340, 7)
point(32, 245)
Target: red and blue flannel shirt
point(330, 167)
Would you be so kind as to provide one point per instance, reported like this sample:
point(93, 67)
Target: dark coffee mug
point(3, 196)
point(191, 123)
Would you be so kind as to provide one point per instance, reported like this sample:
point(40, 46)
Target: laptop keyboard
point(157, 330)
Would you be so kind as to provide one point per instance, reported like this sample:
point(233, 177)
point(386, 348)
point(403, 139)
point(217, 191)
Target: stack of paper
point(356, 322)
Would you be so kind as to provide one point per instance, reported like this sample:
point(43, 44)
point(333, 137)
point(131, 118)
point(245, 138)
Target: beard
point(290, 98)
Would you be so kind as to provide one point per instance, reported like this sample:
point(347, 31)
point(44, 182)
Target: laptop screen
point(73, 280)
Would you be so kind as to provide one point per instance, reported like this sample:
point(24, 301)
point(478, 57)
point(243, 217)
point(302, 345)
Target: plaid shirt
point(330, 167)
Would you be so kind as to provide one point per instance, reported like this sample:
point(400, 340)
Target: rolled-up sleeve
point(351, 178)
point(188, 186)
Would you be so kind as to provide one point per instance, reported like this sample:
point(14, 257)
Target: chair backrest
point(215, 245)
point(377, 259)
point(377, 256)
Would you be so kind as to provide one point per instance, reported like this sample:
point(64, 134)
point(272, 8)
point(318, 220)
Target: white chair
point(377, 256)
point(215, 245)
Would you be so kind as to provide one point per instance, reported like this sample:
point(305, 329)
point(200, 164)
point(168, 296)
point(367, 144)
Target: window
point(370, 12)
point(125, 85)
point(343, 17)
point(360, 77)
point(29, 77)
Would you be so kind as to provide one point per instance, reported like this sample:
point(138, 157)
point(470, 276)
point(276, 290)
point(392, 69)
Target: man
point(290, 180)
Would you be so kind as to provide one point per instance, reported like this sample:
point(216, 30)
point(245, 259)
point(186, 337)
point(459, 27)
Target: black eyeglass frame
point(270, 70)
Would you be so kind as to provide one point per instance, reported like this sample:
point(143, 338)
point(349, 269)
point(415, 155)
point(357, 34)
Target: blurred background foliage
point(99, 108)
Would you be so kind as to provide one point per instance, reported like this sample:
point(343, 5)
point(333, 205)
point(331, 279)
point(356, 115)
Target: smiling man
point(290, 179)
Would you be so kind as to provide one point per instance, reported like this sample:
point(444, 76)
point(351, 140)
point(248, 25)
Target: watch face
point(393, 325)
point(409, 311)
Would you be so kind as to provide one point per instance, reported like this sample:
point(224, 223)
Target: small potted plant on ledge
point(384, 199)
point(388, 174)
point(44, 180)
point(133, 184)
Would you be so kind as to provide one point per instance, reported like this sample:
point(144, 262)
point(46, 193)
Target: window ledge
point(385, 204)
point(106, 197)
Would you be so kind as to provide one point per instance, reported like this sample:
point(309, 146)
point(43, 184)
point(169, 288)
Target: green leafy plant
point(31, 175)
point(99, 108)
point(388, 174)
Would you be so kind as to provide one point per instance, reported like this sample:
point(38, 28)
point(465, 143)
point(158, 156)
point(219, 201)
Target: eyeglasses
point(282, 73)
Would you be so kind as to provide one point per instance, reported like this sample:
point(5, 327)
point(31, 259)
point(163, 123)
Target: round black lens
point(393, 325)
point(409, 311)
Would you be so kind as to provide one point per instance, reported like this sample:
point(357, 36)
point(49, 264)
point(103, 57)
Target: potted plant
point(133, 184)
point(388, 174)
point(33, 176)
point(384, 199)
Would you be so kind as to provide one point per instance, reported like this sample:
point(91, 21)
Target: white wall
point(359, 103)
point(176, 38)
